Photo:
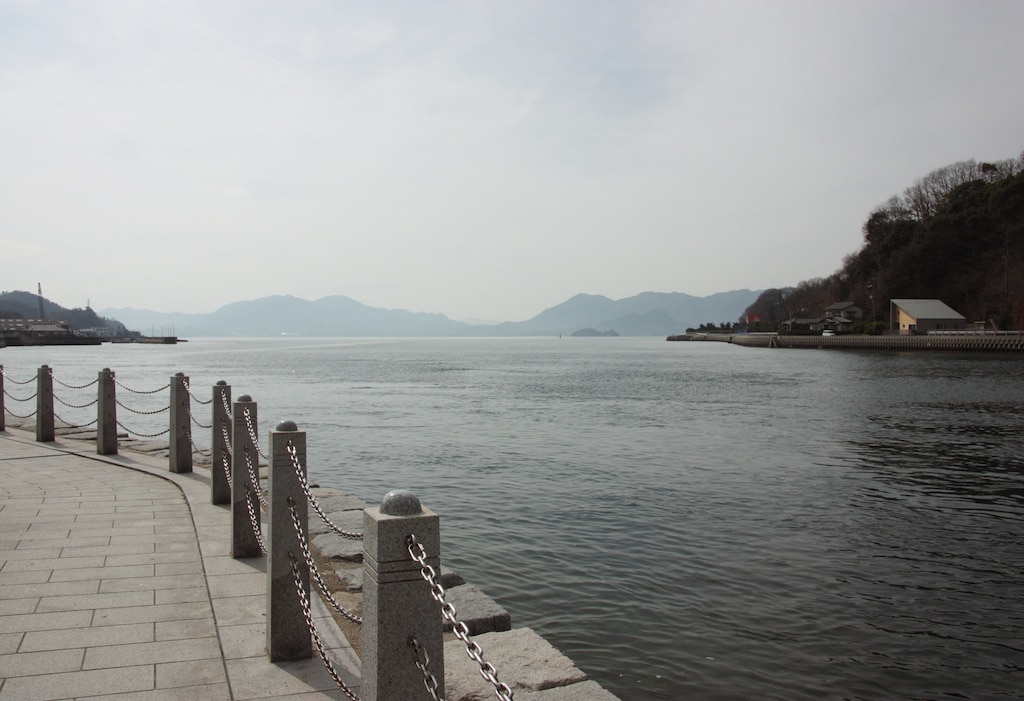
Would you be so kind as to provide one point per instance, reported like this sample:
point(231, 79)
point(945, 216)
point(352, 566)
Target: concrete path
point(116, 583)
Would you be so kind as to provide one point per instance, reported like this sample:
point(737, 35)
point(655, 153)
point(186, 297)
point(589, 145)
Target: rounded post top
point(400, 502)
point(179, 374)
point(244, 398)
point(287, 425)
point(221, 383)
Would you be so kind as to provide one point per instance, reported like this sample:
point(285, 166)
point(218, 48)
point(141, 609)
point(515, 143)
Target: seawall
point(1002, 343)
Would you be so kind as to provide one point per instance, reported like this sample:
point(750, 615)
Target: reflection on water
point(685, 520)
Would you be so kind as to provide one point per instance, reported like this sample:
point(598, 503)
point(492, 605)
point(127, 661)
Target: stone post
point(244, 541)
point(3, 411)
point(106, 414)
point(220, 466)
point(288, 635)
point(180, 448)
point(397, 603)
point(44, 405)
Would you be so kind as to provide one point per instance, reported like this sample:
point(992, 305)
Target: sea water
point(684, 520)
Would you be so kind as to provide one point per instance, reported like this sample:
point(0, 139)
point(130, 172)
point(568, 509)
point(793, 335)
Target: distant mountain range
point(646, 314)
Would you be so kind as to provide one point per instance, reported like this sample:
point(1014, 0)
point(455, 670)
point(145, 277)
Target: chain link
point(226, 436)
point(461, 631)
point(304, 544)
point(312, 500)
point(19, 416)
point(64, 384)
point(11, 379)
point(256, 532)
point(226, 404)
point(68, 424)
point(140, 411)
point(252, 434)
point(195, 398)
point(254, 478)
point(143, 435)
point(421, 659)
point(200, 451)
point(76, 406)
point(19, 399)
point(307, 614)
point(199, 423)
point(139, 391)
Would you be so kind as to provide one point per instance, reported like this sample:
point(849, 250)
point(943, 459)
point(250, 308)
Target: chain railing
point(460, 629)
point(315, 571)
point(251, 507)
point(307, 614)
point(67, 386)
point(304, 483)
point(252, 434)
point(254, 478)
point(196, 399)
point(8, 378)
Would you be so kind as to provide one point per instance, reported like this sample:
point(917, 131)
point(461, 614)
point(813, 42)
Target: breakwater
point(957, 343)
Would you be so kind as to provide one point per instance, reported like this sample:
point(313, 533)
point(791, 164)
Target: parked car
point(828, 332)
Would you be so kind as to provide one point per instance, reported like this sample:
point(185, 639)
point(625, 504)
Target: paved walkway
point(116, 583)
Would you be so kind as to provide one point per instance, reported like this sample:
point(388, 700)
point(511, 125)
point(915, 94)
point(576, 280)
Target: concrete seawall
point(1004, 343)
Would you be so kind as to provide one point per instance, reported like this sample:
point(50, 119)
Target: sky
point(481, 159)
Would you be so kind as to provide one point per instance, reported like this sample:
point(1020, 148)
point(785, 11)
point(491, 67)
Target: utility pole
point(40, 288)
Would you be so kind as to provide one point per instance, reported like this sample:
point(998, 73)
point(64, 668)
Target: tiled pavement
point(116, 583)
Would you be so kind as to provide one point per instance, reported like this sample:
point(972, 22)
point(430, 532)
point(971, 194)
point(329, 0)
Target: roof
point(927, 309)
point(839, 306)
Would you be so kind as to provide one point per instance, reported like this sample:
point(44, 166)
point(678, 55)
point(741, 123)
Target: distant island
point(645, 314)
point(594, 332)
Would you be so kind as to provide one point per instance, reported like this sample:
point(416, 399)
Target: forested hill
point(956, 234)
point(25, 305)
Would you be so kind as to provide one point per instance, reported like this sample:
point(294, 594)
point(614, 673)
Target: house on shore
point(919, 316)
point(847, 310)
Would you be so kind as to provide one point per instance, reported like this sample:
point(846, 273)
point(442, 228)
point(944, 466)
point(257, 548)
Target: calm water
point(684, 520)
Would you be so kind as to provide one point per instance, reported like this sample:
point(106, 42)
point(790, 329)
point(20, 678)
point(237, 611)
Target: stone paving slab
point(116, 583)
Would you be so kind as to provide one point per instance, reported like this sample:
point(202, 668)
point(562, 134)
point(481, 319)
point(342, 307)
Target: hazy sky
point(479, 159)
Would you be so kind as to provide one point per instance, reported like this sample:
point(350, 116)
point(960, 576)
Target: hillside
point(25, 305)
point(647, 314)
point(956, 234)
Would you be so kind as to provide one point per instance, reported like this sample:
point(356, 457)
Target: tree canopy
point(956, 234)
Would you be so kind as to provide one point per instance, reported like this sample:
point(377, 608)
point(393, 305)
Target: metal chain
point(197, 422)
point(11, 379)
point(312, 500)
point(139, 391)
point(224, 401)
point(225, 435)
point(304, 601)
point(19, 399)
point(76, 406)
point(68, 424)
point(254, 478)
point(487, 670)
point(252, 434)
point(197, 399)
point(201, 451)
point(64, 384)
point(143, 435)
point(421, 659)
point(139, 411)
point(304, 544)
point(19, 416)
point(256, 532)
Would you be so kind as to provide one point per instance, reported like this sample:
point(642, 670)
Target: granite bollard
point(106, 413)
point(397, 603)
point(45, 432)
point(288, 634)
point(244, 540)
point(180, 453)
point(220, 482)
